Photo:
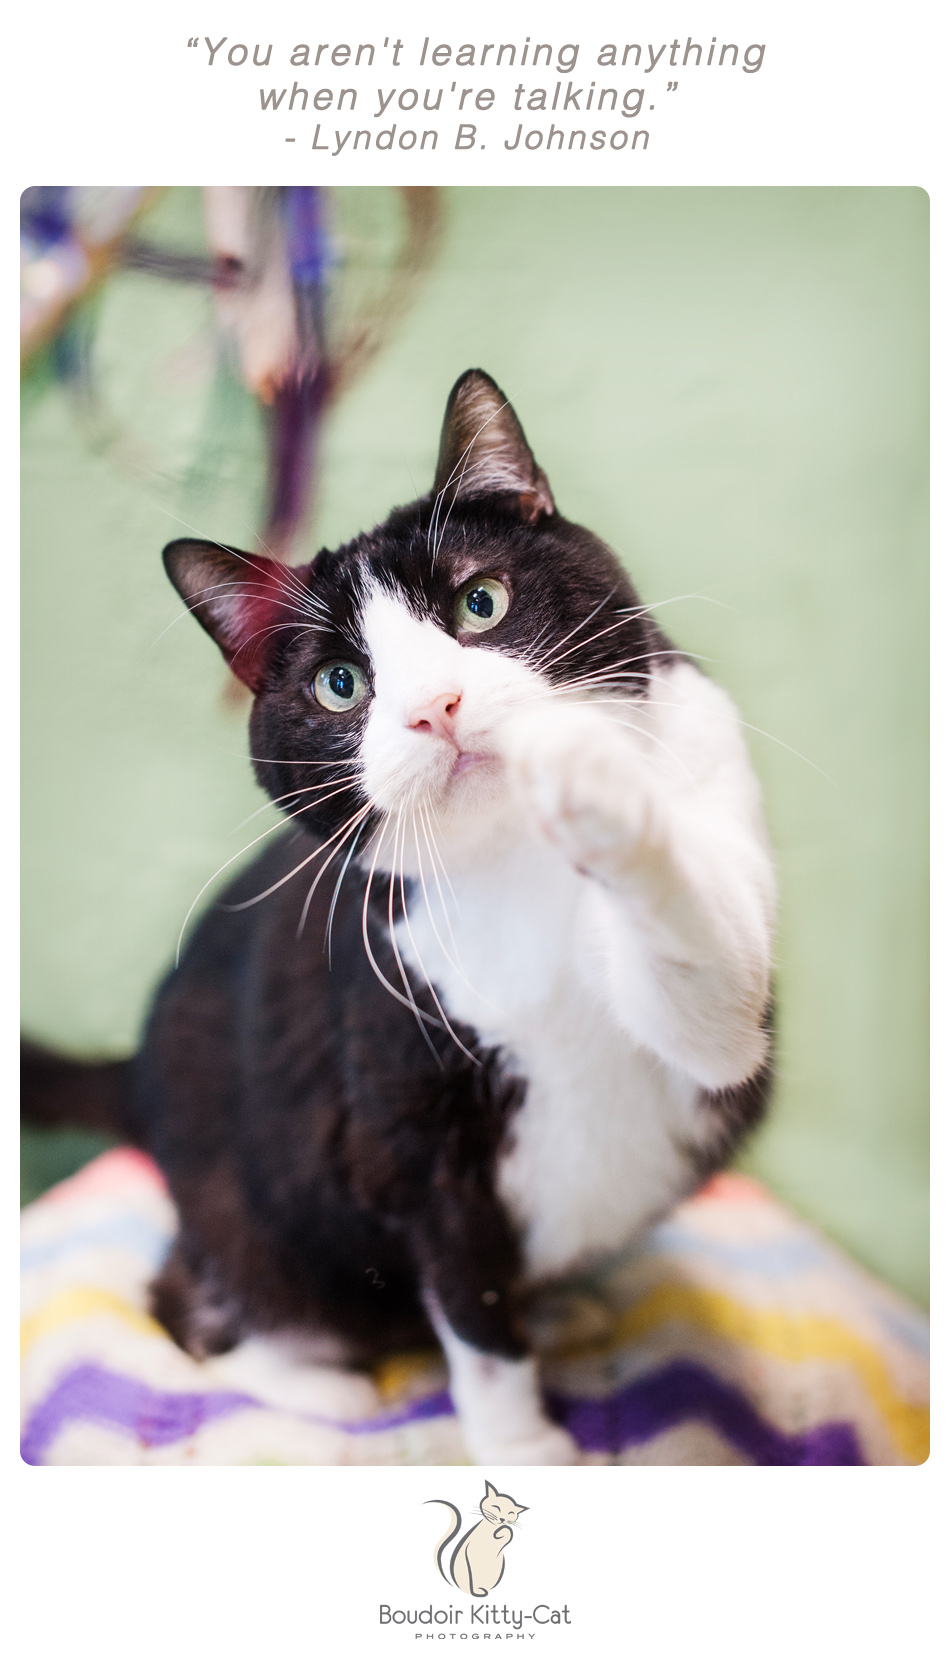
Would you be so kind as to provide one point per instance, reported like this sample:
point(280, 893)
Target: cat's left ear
point(484, 451)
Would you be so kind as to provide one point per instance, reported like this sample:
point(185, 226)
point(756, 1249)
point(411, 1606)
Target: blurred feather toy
point(302, 305)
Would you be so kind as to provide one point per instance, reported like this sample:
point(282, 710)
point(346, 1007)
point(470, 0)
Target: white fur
point(413, 663)
point(499, 1404)
point(294, 1375)
point(600, 907)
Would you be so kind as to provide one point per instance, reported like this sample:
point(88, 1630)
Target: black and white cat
point(500, 997)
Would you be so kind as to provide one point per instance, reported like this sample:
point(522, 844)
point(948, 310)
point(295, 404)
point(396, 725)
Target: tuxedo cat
point(500, 995)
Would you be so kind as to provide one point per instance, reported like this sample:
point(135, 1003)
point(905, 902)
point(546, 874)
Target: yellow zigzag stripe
point(394, 1375)
point(79, 1303)
point(782, 1335)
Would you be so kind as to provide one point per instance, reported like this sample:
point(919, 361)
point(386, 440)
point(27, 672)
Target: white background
point(651, 1561)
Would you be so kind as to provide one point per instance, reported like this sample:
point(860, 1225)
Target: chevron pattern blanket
point(734, 1335)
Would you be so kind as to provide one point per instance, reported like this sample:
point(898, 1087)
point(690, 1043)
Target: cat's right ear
point(483, 451)
point(240, 599)
point(489, 1491)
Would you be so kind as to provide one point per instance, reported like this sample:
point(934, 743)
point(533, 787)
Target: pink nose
point(438, 716)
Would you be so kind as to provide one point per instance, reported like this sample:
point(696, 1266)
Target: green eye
point(339, 685)
point(481, 605)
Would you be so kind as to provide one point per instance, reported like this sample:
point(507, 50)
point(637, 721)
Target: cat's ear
point(483, 450)
point(522, 1508)
point(240, 598)
point(489, 1491)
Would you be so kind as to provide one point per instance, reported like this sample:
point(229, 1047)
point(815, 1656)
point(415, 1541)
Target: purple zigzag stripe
point(681, 1392)
point(91, 1394)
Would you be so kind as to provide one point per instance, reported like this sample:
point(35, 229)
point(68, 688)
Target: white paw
point(268, 1369)
point(549, 1445)
point(581, 779)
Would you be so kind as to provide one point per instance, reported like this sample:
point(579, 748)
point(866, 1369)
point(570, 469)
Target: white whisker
point(773, 739)
point(228, 861)
point(678, 598)
point(396, 951)
point(402, 893)
point(453, 961)
point(247, 904)
point(582, 644)
point(328, 935)
point(326, 865)
point(294, 795)
point(377, 970)
point(583, 624)
point(448, 879)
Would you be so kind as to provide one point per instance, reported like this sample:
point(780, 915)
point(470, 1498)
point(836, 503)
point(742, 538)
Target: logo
point(476, 1562)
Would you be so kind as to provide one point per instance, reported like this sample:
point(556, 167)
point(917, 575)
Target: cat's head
point(383, 672)
point(499, 1508)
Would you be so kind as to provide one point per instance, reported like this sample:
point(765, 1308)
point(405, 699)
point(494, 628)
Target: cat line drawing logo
point(477, 1562)
point(474, 1562)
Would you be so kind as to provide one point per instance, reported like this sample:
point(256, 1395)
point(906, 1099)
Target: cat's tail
point(443, 1543)
point(56, 1091)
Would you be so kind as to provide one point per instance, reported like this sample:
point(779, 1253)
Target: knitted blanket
point(734, 1335)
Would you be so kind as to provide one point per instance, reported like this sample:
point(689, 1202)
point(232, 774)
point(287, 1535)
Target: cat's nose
point(438, 716)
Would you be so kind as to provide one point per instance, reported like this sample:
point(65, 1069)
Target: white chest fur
point(620, 993)
point(596, 1148)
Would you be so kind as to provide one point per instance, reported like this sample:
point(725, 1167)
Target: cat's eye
point(481, 605)
point(339, 685)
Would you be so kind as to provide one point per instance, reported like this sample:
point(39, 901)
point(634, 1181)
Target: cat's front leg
point(469, 1260)
point(498, 1402)
point(676, 917)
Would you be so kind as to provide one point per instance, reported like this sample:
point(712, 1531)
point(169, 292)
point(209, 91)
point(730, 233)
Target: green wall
point(730, 387)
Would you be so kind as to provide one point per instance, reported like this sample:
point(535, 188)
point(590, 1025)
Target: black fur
point(93, 1095)
point(323, 1160)
point(328, 1158)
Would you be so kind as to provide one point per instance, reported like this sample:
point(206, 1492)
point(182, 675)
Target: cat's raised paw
point(584, 783)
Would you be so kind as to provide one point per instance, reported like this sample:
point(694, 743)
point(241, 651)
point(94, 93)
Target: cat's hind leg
point(293, 1371)
point(196, 1311)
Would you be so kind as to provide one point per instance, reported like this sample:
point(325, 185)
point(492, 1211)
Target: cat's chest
point(595, 1150)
